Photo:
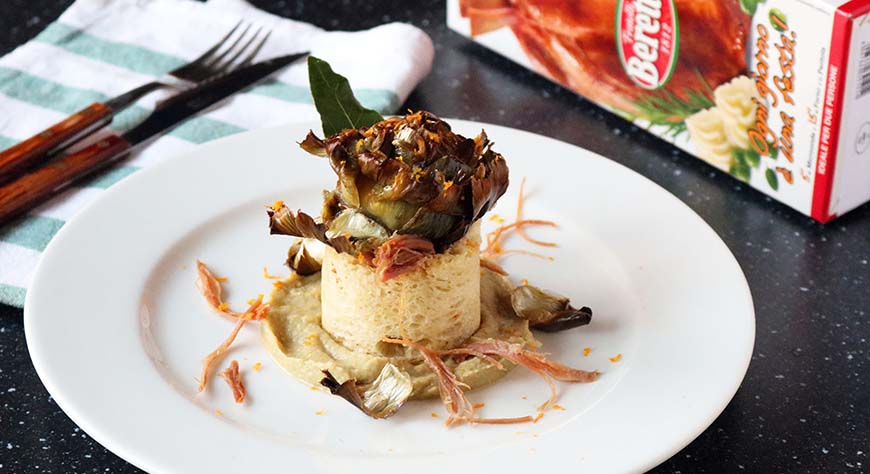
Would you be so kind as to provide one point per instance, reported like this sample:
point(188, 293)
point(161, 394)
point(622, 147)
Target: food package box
point(775, 92)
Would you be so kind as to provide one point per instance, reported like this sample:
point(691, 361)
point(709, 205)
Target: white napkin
point(100, 48)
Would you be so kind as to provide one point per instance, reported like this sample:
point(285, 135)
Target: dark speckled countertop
point(804, 406)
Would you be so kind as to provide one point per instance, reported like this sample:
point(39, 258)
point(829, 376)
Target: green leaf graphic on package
point(749, 6)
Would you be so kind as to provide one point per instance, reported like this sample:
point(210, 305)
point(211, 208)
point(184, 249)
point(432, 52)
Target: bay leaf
point(334, 100)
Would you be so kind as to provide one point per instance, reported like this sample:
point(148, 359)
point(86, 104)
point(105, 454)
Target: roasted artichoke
point(401, 176)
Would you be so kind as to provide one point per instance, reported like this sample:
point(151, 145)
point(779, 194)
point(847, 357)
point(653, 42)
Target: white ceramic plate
point(116, 328)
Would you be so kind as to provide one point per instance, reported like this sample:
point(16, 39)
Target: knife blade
point(182, 106)
point(30, 189)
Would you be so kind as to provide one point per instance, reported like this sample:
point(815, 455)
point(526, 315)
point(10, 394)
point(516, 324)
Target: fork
point(239, 52)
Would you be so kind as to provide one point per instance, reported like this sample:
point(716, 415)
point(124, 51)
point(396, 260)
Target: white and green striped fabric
point(100, 48)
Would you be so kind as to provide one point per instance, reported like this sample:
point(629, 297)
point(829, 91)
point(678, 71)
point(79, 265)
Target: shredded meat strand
point(401, 254)
point(216, 354)
point(490, 265)
point(494, 238)
point(256, 311)
point(520, 230)
point(231, 375)
point(459, 408)
point(211, 290)
point(535, 361)
point(524, 252)
point(493, 248)
point(503, 421)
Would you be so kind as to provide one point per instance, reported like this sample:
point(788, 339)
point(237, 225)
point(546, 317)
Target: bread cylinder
point(438, 303)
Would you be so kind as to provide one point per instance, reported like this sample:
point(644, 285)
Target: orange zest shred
point(434, 415)
point(320, 412)
point(478, 406)
point(218, 412)
point(310, 340)
point(616, 358)
point(277, 205)
point(257, 367)
point(558, 407)
point(586, 351)
point(538, 418)
point(269, 276)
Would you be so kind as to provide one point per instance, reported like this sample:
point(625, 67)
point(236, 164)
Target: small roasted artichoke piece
point(547, 312)
point(313, 145)
point(413, 175)
point(380, 399)
point(285, 222)
point(305, 256)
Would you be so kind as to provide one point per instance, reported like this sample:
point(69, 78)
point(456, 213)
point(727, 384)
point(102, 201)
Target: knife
point(31, 189)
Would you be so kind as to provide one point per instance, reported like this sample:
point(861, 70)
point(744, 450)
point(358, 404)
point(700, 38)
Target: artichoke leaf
point(331, 206)
point(413, 175)
point(283, 221)
point(380, 399)
point(305, 256)
point(314, 145)
point(430, 225)
point(392, 214)
point(546, 311)
point(347, 187)
point(487, 189)
point(355, 224)
point(566, 319)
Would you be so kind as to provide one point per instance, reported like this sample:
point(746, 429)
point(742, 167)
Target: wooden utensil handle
point(33, 188)
point(30, 151)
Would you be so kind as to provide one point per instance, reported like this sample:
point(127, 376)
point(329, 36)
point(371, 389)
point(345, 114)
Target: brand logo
point(647, 37)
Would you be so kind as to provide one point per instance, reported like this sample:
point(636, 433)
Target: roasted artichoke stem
point(407, 175)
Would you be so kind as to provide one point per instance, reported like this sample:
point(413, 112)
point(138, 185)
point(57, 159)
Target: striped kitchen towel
point(100, 48)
